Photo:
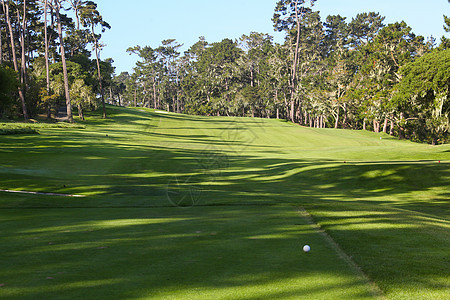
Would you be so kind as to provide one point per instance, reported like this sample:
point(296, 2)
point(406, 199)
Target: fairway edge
point(375, 290)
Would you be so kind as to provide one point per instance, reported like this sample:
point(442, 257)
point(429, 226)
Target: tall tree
point(76, 6)
point(90, 17)
point(364, 27)
point(6, 7)
point(256, 46)
point(339, 71)
point(424, 93)
point(57, 8)
point(23, 69)
point(47, 68)
point(288, 17)
point(1, 35)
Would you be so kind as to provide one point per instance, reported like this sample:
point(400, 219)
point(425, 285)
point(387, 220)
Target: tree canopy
point(48, 51)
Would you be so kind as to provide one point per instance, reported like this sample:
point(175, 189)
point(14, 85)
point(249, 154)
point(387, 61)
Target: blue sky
point(148, 22)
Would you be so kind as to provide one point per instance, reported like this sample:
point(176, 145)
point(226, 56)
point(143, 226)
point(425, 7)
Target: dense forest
point(45, 58)
point(338, 73)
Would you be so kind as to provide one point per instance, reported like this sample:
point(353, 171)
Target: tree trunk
point(292, 110)
point(1, 43)
point(299, 115)
point(80, 112)
point(297, 44)
point(77, 15)
point(278, 113)
point(100, 84)
point(286, 107)
point(154, 94)
point(47, 67)
point(391, 130)
point(344, 122)
point(174, 104)
point(111, 98)
point(23, 70)
point(336, 123)
point(63, 60)
point(401, 134)
point(364, 124)
point(385, 125)
point(8, 42)
point(13, 52)
point(376, 126)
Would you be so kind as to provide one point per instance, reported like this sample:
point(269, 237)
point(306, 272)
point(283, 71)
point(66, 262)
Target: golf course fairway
point(154, 205)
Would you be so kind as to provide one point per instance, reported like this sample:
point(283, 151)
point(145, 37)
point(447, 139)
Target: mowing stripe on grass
point(40, 193)
point(376, 291)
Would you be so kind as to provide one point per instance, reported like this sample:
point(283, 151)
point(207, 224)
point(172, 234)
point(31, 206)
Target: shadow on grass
point(204, 252)
point(391, 217)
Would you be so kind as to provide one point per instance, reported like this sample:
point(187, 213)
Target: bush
point(8, 88)
point(13, 131)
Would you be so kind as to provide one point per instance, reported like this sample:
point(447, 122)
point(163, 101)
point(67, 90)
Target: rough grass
point(10, 128)
point(190, 207)
point(13, 131)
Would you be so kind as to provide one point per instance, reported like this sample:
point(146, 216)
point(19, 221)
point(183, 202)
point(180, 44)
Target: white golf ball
point(306, 248)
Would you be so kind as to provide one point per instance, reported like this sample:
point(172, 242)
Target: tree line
point(339, 73)
point(45, 63)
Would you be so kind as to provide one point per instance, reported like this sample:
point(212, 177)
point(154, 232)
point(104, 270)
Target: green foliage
point(8, 89)
point(16, 128)
point(425, 92)
point(364, 27)
point(78, 77)
point(15, 131)
point(34, 86)
point(287, 11)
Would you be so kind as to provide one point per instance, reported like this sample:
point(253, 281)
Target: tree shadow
point(390, 216)
point(203, 252)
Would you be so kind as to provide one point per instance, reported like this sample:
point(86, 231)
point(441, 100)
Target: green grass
point(10, 128)
point(202, 253)
point(184, 207)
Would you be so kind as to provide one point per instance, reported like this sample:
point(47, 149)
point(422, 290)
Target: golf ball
point(306, 248)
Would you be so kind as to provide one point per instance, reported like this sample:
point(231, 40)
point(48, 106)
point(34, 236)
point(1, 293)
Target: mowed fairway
point(184, 207)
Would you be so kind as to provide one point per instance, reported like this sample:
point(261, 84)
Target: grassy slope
point(384, 201)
